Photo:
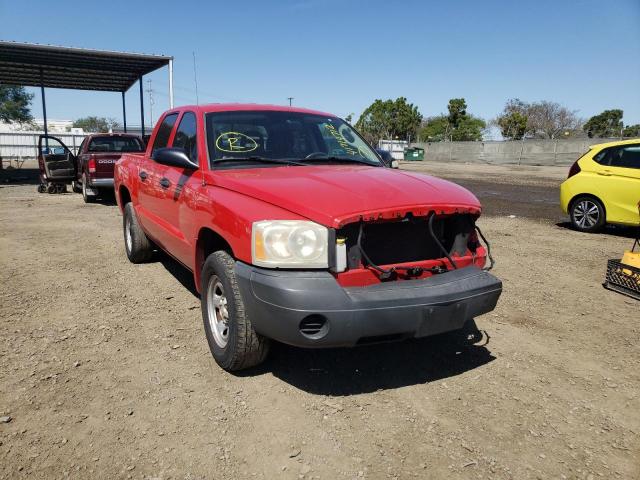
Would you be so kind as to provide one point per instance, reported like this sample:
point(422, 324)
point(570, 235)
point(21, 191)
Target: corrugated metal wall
point(23, 145)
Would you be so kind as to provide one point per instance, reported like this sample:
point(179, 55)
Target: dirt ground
point(105, 370)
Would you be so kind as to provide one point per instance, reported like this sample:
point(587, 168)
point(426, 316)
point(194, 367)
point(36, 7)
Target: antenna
point(195, 77)
point(290, 99)
point(150, 91)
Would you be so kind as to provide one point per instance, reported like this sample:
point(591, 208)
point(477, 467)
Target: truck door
point(150, 193)
point(178, 191)
point(56, 162)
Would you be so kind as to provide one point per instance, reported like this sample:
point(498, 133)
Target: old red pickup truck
point(96, 158)
point(295, 231)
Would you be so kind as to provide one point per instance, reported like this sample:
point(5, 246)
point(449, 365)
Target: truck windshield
point(115, 144)
point(241, 137)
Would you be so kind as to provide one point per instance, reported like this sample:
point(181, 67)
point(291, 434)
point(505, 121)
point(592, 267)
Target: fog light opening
point(314, 326)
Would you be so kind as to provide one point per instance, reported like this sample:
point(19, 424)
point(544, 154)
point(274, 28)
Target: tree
point(14, 104)
point(469, 129)
point(435, 129)
point(458, 125)
point(513, 120)
point(538, 119)
point(389, 119)
point(548, 119)
point(605, 124)
point(631, 131)
point(95, 124)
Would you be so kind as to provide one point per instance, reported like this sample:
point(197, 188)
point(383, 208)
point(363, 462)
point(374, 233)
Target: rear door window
point(627, 156)
point(186, 136)
point(115, 144)
point(602, 157)
point(164, 131)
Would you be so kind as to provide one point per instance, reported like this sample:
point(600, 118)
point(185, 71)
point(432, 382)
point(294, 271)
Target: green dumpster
point(414, 154)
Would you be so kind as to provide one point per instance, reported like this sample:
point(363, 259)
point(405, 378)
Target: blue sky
point(340, 55)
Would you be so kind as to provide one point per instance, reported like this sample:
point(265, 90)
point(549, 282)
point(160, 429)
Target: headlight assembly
point(289, 244)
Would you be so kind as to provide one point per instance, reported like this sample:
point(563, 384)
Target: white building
point(54, 126)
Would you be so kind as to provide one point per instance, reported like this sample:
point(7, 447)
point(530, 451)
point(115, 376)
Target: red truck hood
point(336, 195)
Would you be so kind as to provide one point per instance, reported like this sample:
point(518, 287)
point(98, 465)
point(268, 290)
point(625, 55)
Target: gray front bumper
point(277, 301)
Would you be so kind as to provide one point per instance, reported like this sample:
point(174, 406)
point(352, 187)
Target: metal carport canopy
point(36, 65)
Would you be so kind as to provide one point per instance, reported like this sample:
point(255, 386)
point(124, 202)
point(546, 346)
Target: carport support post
point(141, 107)
point(124, 114)
point(44, 111)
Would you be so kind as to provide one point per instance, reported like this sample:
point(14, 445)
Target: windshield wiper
point(333, 158)
point(254, 158)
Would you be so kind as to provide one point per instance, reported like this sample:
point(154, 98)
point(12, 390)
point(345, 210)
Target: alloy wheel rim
point(218, 313)
point(586, 214)
point(127, 235)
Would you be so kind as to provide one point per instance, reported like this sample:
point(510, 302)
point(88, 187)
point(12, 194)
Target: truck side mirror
point(395, 164)
point(173, 157)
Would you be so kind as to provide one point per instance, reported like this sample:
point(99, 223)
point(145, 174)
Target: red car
point(296, 232)
point(96, 158)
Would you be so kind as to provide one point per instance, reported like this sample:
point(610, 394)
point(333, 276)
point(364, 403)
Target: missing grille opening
point(408, 240)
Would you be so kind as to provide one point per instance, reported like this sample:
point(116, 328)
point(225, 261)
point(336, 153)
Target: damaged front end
point(376, 249)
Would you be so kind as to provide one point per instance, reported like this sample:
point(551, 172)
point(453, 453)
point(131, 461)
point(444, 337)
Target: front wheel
point(587, 214)
point(233, 342)
point(136, 243)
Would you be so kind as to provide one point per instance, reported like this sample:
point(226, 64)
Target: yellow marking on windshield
point(235, 142)
point(343, 142)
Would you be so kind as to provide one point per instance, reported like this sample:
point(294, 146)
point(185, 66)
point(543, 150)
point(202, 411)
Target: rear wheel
point(85, 196)
point(136, 243)
point(587, 214)
point(233, 342)
point(75, 186)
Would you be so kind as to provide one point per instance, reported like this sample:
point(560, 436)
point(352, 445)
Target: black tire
point(587, 214)
point(243, 348)
point(85, 196)
point(137, 245)
point(76, 187)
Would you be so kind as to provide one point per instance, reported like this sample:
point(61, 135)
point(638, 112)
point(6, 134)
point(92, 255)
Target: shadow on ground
point(179, 272)
point(616, 230)
point(338, 372)
point(19, 176)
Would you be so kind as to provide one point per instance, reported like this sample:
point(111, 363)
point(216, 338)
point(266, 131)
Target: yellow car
point(604, 186)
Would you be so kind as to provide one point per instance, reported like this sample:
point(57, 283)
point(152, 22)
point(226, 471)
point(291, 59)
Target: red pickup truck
point(96, 158)
point(295, 231)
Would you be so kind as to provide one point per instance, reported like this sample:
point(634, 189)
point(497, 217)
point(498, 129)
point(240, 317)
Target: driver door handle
point(606, 173)
point(143, 175)
point(165, 183)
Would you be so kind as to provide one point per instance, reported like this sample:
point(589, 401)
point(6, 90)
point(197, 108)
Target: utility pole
point(150, 91)
point(290, 99)
point(195, 77)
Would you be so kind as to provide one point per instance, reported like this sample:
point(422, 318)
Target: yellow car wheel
point(587, 214)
